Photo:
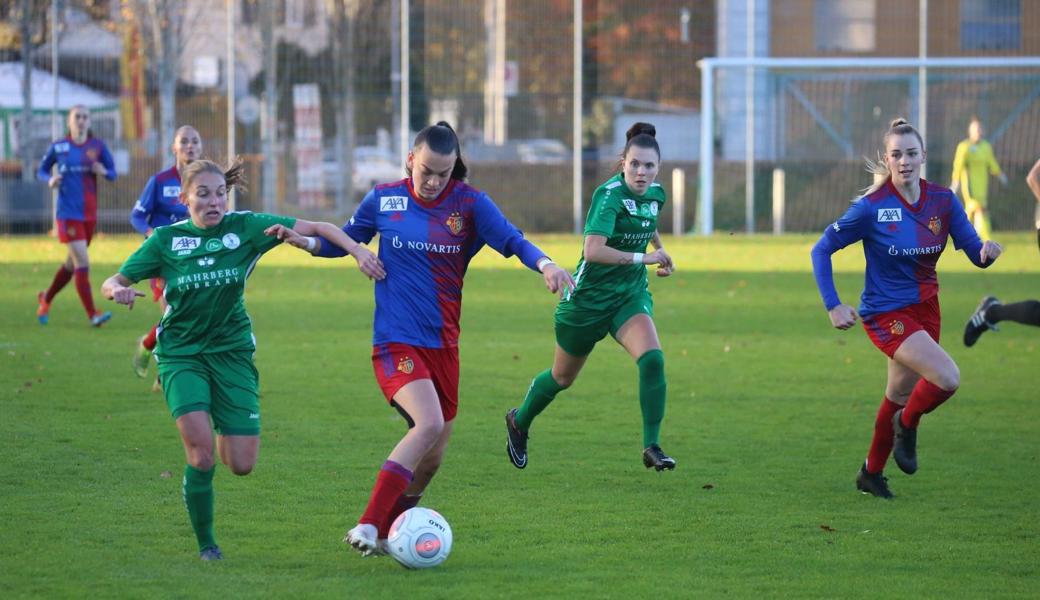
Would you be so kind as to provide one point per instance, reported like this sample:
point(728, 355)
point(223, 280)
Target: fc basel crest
point(92, 154)
point(406, 366)
point(934, 225)
point(896, 328)
point(455, 223)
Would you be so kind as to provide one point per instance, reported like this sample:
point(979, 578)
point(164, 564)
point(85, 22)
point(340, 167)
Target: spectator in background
point(79, 159)
point(973, 163)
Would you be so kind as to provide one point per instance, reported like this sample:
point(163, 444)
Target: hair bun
point(639, 129)
point(898, 122)
point(445, 124)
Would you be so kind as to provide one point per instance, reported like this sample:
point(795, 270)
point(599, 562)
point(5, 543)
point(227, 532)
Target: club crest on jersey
point(455, 223)
point(653, 208)
point(92, 154)
point(889, 215)
point(185, 243)
point(406, 366)
point(630, 206)
point(393, 203)
point(213, 244)
point(934, 225)
point(896, 328)
point(231, 241)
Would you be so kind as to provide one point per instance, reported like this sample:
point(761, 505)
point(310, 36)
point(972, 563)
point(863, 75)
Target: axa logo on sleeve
point(172, 191)
point(393, 203)
point(889, 215)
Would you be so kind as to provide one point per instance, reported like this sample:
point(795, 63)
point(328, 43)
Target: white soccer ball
point(420, 538)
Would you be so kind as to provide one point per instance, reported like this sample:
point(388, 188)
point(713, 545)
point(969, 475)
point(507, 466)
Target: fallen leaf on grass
point(828, 528)
point(166, 474)
point(707, 486)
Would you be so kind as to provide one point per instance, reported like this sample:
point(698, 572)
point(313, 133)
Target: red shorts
point(158, 286)
point(70, 230)
point(889, 330)
point(399, 364)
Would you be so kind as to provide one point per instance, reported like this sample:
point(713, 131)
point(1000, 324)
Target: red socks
point(925, 398)
point(149, 340)
point(86, 296)
point(62, 277)
point(881, 444)
point(404, 502)
point(390, 484)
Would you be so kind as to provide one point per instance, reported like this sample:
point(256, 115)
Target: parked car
point(372, 165)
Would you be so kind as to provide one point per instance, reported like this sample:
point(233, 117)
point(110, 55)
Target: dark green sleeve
point(602, 214)
point(145, 262)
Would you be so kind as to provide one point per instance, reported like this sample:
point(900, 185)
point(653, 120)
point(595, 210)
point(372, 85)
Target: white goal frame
point(708, 66)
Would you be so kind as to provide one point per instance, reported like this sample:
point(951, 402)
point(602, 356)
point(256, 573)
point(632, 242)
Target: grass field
point(770, 412)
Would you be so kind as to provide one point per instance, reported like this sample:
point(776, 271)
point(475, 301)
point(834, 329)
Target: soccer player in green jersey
point(610, 295)
point(205, 341)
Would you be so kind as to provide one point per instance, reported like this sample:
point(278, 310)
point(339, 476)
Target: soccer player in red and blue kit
point(430, 225)
point(80, 158)
point(160, 204)
point(903, 222)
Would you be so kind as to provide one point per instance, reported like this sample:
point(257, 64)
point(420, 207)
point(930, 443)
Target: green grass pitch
point(769, 415)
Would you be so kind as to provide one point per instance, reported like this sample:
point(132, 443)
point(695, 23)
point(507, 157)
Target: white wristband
point(637, 258)
point(312, 243)
point(543, 262)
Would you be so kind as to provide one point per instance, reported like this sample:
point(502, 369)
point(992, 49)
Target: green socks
point(652, 388)
point(198, 498)
point(541, 393)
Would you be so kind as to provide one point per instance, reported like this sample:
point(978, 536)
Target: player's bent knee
point(651, 363)
point(201, 459)
point(241, 469)
point(949, 379)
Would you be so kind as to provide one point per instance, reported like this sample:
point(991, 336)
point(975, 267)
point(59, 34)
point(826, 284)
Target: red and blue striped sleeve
point(849, 229)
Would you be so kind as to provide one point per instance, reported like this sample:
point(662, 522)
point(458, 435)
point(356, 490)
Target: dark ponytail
point(442, 139)
point(643, 135)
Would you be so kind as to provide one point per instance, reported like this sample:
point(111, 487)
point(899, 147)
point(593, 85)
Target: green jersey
point(628, 222)
point(205, 272)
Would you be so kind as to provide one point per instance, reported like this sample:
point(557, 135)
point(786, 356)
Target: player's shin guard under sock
point(149, 340)
point(881, 444)
point(404, 502)
point(86, 296)
point(198, 498)
point(541, 393)
point(61, 278)
point(391, 482)
point(1026, 312)
point(652, 390)
point(925, 398)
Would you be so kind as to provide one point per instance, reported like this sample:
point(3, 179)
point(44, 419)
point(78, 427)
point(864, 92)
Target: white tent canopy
point(70, 93)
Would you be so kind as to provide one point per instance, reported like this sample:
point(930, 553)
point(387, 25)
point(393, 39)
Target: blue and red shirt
point(902, 243)
point(160, 202)
point(77, 193)
point(426, 247)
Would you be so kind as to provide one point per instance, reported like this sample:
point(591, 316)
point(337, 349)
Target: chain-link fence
point(317, 87)
point(321, 97)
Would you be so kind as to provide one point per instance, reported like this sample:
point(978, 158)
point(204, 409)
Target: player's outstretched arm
point(596, 250)
point(557, 280)
point(302, 236)
point(117, 287)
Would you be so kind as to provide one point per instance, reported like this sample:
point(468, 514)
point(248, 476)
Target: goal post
point(818, 102)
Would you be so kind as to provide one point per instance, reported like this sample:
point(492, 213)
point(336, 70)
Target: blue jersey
point(425, 248)
point(77, 193)
point(901, 242)
point(160, 202)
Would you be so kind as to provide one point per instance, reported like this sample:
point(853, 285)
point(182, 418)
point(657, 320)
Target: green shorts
point(578, 331)
point(226, 385)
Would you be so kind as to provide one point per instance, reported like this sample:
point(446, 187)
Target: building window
point(991, 25)
point(300, 13)
point(845, 25)
point(250, 14)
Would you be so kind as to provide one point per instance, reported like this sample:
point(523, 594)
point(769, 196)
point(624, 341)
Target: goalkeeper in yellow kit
point(973, 163)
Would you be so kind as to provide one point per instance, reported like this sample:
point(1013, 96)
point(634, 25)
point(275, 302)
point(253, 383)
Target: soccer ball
point(420, 538)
